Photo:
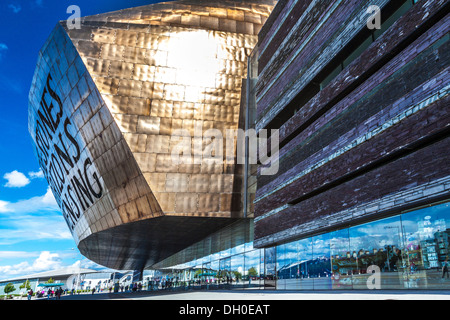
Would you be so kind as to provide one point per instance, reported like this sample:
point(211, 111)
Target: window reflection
point(320, 267)
point(407, 251)
point(293, 270)
point(237, 271)
point(292, 282)
point(214, 270)
point(253, 276)
point(377, 244)
point(305, 259)
point(270, 268)
point(224, 276)
point(426, 233)
point(282, 267)
point(342, 262)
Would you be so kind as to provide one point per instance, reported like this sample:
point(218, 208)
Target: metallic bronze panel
point(134, 83)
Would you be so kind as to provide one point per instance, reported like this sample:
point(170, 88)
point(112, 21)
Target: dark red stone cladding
point(368, 59)
point(407, 64)
point(356, 114)
point(273, 21)
point(430, 121)
point(413, 19)
point(324, 97)
point(282, 32)
point(423, 166)
point(306, 57)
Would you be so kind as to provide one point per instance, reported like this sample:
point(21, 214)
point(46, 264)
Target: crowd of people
point(50, 293)
point(164, 283)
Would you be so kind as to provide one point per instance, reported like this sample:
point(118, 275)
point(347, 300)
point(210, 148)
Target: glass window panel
point(321, 264)
point(305, 261)
point(237, 249)
point(224, 271)
point(270, 267)
point(239, 236)
point(237, 270)
point(207, 276)
point(262, 267)
point(426, 246)
point(215, 256)
point(253, 273)
point(214, 272)
point(215, 243)
point(225, 242)
point(377, 245)
point(249, 246)
point(207, 246)
point(281, 267)
point(292, 278)
point(341, 262)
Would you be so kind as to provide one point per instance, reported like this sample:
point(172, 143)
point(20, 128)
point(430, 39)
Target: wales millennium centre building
point(253, 144)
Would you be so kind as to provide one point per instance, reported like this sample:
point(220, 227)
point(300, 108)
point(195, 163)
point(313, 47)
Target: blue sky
point(33, 234)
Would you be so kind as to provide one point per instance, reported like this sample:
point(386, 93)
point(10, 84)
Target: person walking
point(58, 293)
point(445, 268)
point(30, 294)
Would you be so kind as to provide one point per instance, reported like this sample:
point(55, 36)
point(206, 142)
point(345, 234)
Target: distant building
point(70, 277)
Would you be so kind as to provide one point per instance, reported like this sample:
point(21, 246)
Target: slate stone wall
point(372, 142)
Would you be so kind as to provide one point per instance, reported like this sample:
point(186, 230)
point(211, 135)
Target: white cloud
point(13, 270)
point(48, 199)
point(3, 49)
point(16, 254)
point(47, 261)
point(4, 206)
point(16, 179)
point(31, 219)
point(46, 202)
point(15, 8)
point(44, 262)
point(36, 175)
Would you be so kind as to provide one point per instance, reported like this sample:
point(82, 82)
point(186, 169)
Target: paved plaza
point(254, 295)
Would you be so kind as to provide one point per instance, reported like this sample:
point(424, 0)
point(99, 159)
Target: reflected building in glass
point(361, 196)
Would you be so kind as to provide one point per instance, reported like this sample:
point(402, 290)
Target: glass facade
point(225, 259)
point(407, 251)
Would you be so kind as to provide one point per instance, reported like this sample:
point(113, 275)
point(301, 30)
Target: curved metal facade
point(111, 101)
